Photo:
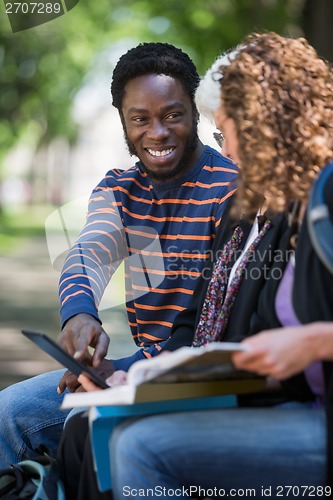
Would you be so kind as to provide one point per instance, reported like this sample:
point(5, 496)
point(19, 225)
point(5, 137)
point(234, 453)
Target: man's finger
point(101, 349)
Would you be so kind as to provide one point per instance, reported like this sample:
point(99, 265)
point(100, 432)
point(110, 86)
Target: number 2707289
point(33, 8)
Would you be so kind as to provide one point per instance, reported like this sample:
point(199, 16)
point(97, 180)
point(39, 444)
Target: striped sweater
point(163, 232)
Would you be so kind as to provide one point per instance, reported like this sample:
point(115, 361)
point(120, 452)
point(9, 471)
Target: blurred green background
point(59, 134)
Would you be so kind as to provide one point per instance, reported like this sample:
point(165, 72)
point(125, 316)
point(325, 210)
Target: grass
point(18, 225)
point(29, 223)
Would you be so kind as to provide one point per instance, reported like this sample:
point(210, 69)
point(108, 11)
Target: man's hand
point(70, 381)
point(80, 332)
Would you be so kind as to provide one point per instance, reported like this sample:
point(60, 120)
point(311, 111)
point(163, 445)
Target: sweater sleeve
point(94, 257)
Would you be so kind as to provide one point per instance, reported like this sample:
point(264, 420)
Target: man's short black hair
point(153, 58)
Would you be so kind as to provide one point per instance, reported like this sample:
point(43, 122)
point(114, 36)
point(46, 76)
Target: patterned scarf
point(219, 298)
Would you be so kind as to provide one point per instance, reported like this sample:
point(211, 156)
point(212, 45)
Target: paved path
point(28, 299)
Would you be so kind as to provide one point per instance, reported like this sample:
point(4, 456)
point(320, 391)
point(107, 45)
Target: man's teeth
point(165, 152)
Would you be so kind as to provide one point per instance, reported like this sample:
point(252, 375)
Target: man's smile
point(158, 153)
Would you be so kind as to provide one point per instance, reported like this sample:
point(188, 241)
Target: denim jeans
point(263, 451)
point(30, 416)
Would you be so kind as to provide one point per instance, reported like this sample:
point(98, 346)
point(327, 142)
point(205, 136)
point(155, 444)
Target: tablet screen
point(63, 357)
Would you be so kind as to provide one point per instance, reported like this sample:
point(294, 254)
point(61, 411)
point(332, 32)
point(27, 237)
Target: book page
point(214, 358)
point(122, 395)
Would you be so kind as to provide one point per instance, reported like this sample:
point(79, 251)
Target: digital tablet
point(63, 357)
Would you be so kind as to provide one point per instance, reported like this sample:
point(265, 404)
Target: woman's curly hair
point(280, 95)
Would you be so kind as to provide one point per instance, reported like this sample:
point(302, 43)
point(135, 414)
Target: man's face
point(160, 126)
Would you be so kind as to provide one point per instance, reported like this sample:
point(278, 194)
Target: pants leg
point(76, 462)
point(224, 449)
point(30, 416)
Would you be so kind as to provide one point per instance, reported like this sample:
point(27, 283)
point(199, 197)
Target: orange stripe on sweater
point(169, 219)
point(156, 308)
point(80, 292)
point(165, 273)
point(163, 291)
point(163, 323)
point(220, 169)
point(173, 254)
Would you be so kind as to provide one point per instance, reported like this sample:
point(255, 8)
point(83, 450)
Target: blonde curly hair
point(280, 95)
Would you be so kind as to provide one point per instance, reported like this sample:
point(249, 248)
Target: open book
point(185, 373)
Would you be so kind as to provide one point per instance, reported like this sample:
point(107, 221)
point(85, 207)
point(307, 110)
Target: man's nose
point(225, 150)
point(157, 131)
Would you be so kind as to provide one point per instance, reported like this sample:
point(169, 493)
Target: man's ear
point(121, 116)
point(196, 113)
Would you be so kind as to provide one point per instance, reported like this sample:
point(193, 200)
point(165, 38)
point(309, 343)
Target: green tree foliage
point(211, 26)
point(42, 68)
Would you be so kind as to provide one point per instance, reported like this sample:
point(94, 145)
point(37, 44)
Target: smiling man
point(174, 195)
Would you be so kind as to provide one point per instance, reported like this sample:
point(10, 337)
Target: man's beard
point(190, 146)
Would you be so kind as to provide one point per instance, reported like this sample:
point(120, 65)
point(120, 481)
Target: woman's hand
point(87, 384)
point(119, 377)
point(283, 352)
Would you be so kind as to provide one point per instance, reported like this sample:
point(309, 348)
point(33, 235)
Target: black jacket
point(254, 308)
point(313, 301)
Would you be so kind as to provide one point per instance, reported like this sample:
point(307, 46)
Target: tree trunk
point(317, 21)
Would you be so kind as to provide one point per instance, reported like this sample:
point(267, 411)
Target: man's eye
point(138, 119)
point(173, 116)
